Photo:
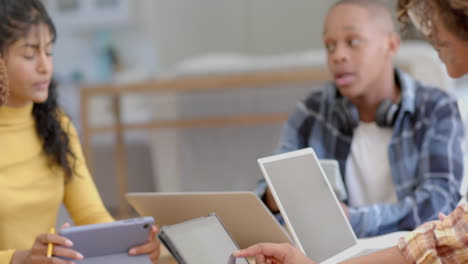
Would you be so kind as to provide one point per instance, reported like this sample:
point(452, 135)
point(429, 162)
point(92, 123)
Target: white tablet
point(308, 204)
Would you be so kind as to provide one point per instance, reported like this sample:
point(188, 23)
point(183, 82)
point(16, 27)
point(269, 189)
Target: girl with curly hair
point(444, 23)
point(41, 161)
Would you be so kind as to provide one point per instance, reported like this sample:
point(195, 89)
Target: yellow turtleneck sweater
point(31, 191)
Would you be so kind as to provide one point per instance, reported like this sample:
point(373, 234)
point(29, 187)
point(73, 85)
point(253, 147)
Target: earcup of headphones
point(386, 113)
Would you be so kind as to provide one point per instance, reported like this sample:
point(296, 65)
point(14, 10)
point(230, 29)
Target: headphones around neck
point(385, 116)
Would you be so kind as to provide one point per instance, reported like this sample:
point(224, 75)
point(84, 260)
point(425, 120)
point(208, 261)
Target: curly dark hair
point(17, 17)
point(452, 13)
point(3, 83)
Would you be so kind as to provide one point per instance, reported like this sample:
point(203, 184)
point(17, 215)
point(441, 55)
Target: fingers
point(40, 250)
point(345, 209)
point(442, 216)
point(260, 259)
point(276, 251)
point(252, 251)
point(54, 239)
point(147, 248)
point(153, 232)
point(66, 225)
point(67, 253)
point(154, 257)
point(61, 247)
point(46, 260)
point(152, 248)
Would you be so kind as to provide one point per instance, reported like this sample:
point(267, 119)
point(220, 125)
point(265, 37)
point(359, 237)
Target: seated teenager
point(397, 141)
point(41, 162)
point(444, 22)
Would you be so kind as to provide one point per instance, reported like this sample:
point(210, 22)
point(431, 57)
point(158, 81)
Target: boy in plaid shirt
point(445, 24)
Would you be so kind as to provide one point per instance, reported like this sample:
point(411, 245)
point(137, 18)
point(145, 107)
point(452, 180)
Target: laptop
point(310, 208)
point(246, 218)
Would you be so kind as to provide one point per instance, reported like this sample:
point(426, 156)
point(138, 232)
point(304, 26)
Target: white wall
point(177, 29)
point(184, 28)
point(282, 26)
point(189, 27)
point(162, 33)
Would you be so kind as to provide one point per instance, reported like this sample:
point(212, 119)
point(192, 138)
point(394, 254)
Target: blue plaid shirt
point(425, 153)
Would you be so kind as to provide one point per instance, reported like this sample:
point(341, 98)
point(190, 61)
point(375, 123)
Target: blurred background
point(186, 95)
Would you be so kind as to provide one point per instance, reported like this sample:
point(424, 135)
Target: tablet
point(202, 240)
point(308, 204)
point(109, 242)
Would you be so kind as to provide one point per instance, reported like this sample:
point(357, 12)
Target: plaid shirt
point(439, 242)
point(425, 153)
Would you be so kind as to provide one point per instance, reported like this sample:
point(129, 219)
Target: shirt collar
point(16, 115)
point(408, 90)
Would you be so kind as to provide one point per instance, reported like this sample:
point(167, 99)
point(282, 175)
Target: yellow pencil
point(50, 246)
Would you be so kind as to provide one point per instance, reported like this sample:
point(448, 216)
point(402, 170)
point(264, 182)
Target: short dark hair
point(375, 8)
point(364, 3)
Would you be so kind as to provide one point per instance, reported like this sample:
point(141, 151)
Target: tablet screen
point(308, 204)
point(203, 240)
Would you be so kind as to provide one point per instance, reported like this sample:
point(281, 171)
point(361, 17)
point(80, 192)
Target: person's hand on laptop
point(287, 254)
point(270, 201)
point(274, 253)
point(152, 247)
point(345, 209)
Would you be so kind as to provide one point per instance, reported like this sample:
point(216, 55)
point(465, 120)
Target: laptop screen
point(202, 240)
point(308, 204)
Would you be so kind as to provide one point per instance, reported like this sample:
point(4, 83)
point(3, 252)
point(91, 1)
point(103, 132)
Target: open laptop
point(310, 208)
point(246, 217)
